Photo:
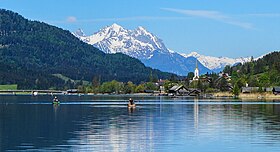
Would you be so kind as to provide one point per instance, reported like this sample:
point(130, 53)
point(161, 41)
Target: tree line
point(264, 72)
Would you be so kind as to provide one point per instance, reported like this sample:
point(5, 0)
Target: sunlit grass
point(8, 87)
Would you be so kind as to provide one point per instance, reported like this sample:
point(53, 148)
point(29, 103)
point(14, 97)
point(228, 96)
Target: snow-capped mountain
point(79, 33)
point(216, 63)
point(143, 45)
point(138, 43)
point(148, 48)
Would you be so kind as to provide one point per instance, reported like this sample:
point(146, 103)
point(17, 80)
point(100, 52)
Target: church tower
point(196, 72)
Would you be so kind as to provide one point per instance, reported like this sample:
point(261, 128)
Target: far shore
point(267, 96)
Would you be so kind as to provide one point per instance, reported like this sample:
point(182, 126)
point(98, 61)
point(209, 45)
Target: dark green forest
point(264, 72)
point(31, 52)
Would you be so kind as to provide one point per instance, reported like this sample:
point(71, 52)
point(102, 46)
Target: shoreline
point(248, 96)
point(219, 95)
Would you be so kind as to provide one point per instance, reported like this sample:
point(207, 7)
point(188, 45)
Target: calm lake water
point(104, 123)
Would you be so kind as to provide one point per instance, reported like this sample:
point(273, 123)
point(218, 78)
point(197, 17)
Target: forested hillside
point(31, 51)
point(264, 72)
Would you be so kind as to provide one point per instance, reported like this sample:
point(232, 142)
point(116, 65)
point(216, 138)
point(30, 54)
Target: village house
point(276, 90)
point(69, 91)
point(225, 75)
point(249, 89)
point(257, 89)
point(178, 90)
point(194, 92)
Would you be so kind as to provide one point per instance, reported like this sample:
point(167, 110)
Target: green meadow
point(8, 87)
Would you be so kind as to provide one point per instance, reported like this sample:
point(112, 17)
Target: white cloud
point(265, 14)
point(134, 18)
point(71, 19)
point(214, 15)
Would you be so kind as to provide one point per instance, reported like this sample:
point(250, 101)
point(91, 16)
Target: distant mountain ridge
point(216, 63)
point(143, 45)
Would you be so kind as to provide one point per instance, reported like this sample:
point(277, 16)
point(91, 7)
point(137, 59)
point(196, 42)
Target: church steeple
point(196, 72)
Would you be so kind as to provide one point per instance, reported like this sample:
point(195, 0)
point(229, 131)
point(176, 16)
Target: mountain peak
point(140, 28)
point(142, 31)
point(79, 32)
point(194, 54)
point(116, 27)
point(138, 43)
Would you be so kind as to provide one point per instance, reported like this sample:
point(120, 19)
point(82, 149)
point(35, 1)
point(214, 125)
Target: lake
point(104, 123)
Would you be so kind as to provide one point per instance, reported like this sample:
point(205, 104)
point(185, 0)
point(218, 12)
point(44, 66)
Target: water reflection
point(196, 112)
point(148, 127)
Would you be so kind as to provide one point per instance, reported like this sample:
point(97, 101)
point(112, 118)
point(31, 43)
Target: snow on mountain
point(265, 55)
point(141, 44)
point(216, 63)
point(79, 33)
point(138, 43)
point(145, 46)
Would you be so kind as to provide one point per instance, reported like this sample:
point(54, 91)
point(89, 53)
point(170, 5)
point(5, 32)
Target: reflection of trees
point(271, 121)
point(254, 121)
point(38, 125)
point(260, 117)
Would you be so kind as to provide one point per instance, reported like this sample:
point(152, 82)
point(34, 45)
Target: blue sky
point(232, 28)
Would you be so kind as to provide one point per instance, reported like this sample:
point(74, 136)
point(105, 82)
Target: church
point(196, 73)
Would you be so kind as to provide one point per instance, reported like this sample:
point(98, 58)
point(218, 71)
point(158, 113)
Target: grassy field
point(249, 96)
point(73, 81)
point(8, 87)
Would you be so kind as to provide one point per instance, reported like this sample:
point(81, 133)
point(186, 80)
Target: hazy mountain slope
point(174, 63)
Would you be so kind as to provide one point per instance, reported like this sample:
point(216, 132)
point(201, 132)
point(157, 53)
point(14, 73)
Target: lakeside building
point(258, 89)
point(249, 89)
point(69, 91)
point(180, 90)
point(276, 90)
point(225, 75)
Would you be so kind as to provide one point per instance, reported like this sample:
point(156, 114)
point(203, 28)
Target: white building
point(196, 72)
